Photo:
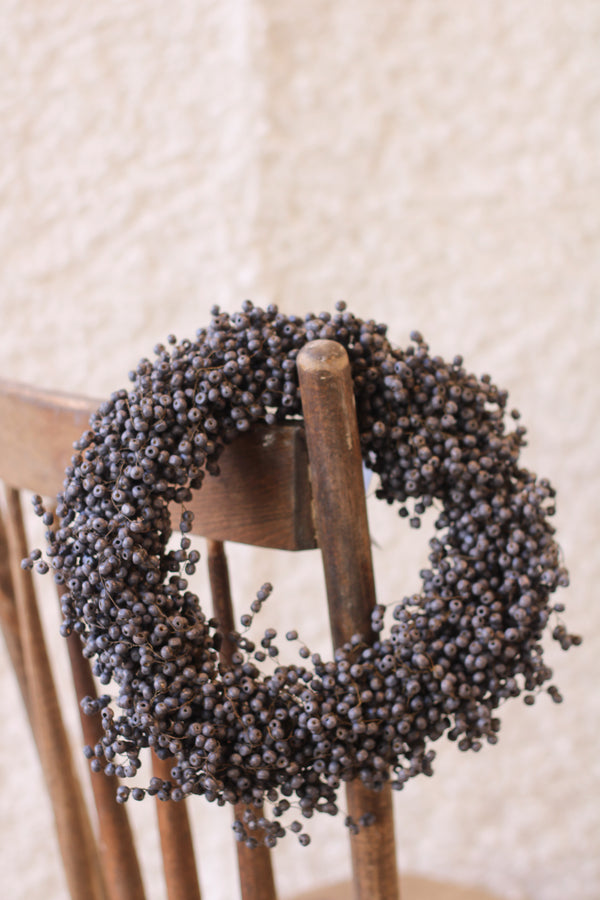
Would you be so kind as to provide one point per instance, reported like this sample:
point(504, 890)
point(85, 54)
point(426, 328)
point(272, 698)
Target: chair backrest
point(291, 487)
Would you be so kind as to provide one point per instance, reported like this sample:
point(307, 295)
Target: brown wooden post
point(120, 864)
point(73, 828)
point(8, 616)
point(343, 536)
point(255, 867)
point(116, 846)
point(179, 862)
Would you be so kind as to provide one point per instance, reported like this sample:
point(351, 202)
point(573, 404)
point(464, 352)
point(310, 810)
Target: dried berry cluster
point(435, 435)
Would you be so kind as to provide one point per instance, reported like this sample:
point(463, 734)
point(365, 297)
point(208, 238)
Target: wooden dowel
point(120, 863)
point(218, 576)
point(257, 881)
point(343, 536)
point(75, 836)
point(179, 861)
point(8, 617)
point(118, 856)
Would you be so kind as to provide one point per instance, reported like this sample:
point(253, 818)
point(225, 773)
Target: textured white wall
point(435, 165)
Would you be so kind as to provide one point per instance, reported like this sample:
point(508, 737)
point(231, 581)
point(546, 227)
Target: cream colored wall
point(435, 165)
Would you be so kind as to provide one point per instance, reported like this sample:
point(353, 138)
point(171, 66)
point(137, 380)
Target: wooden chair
point(291, 487)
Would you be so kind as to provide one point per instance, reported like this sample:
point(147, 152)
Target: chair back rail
point(262, 496)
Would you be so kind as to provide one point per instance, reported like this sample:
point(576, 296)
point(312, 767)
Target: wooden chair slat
point(116, 846)
point(374, 866)
point(338, 497)
point(255, 866)
point(262, 496)
point(75, 836)
point(8, 616)
point(179, 860)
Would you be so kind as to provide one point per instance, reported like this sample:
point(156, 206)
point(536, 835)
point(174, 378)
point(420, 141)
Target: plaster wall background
point(436, 166)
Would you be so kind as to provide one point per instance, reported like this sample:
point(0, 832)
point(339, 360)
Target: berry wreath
point(456, 650)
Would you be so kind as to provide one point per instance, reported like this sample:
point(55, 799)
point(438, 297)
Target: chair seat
point(414, 887)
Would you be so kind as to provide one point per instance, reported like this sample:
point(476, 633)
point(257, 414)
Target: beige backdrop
point(435, 165)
